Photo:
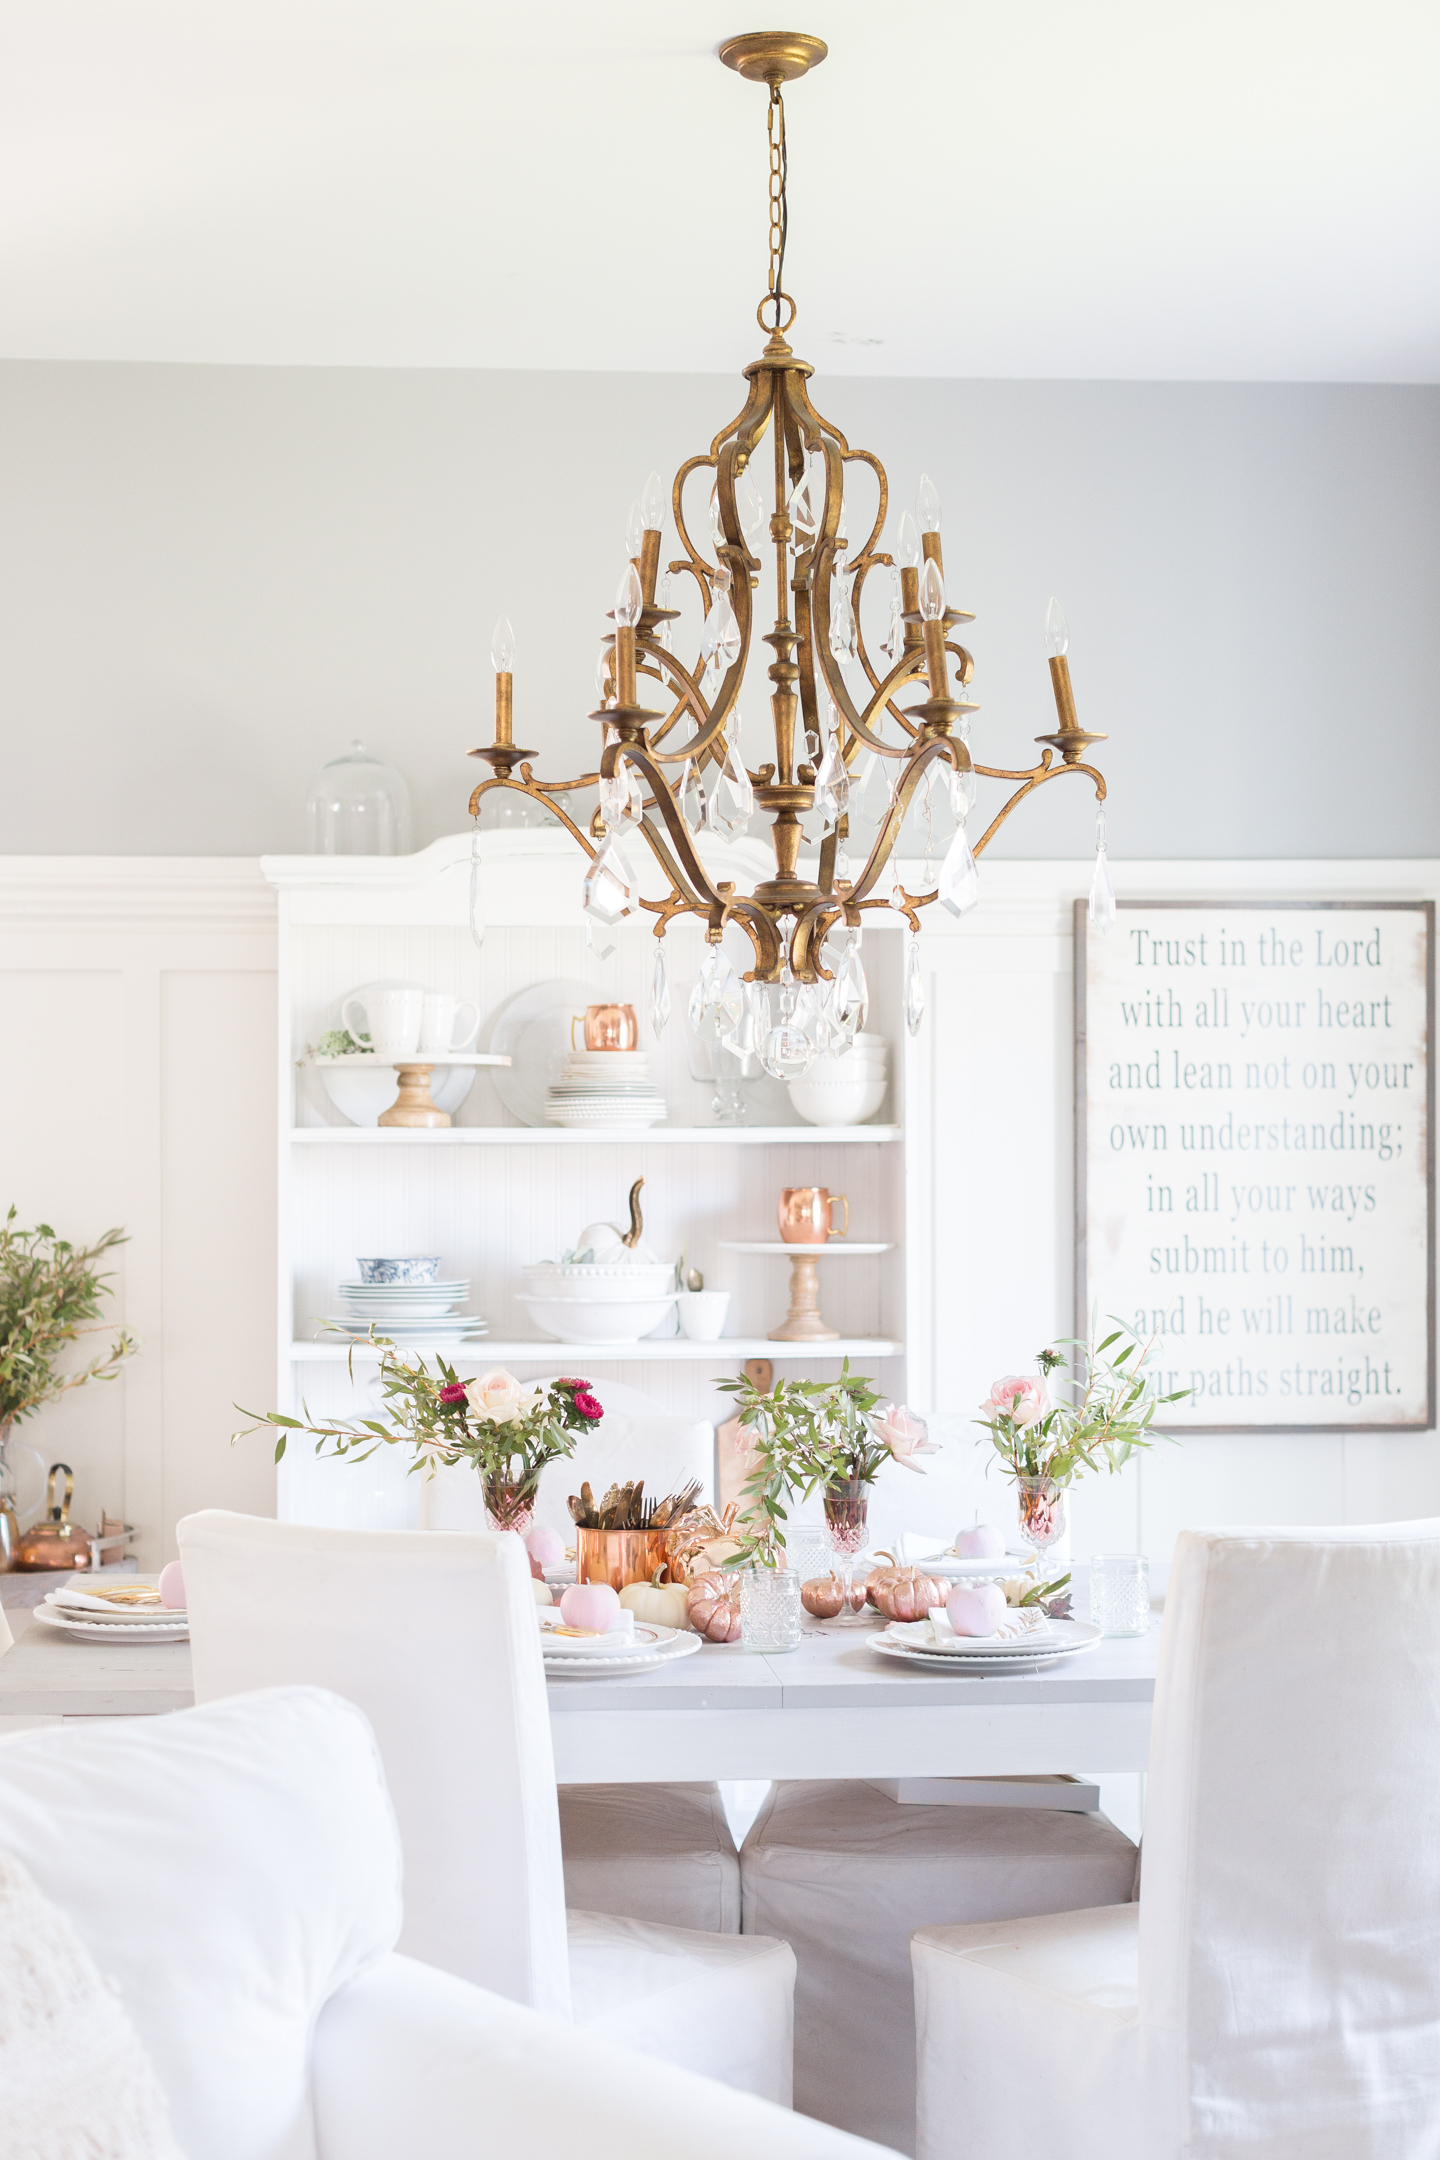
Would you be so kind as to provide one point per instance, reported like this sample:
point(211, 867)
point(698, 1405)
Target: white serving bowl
point(837, 1102)
point(588, 1320)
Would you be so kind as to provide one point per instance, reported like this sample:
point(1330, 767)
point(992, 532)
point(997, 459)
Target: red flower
point(454, 1393)
point(571, 1385)
point(588, 1406)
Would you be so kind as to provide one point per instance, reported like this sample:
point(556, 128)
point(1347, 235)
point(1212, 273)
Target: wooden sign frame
point(1090, 1020)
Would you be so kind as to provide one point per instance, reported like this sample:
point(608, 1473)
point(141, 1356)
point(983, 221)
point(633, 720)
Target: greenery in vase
point(1102, 1417)
point(49, 1290)
point(506, 1431)
point(809, 1435)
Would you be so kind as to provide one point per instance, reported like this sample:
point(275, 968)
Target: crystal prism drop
point(622, 800)
point(914, 985)
point(717, 530)
point(599, 938)
point(691, 796)
point(959, 879)
point(852, 995)
point(832, 781)
point(659, 994)
point(732, 801)
point(700, 992)
point(722, 628)
point(842, 621)
point(963, 789)
point(717, 1011)
point(608, 884)
point(751, 508)
point(1102, 894)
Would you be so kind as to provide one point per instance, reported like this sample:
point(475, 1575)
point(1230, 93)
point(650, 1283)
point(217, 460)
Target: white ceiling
point(1103, 188)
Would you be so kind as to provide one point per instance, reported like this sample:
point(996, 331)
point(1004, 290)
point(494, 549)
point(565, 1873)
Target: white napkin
point(619, 1637)
point(83, 1601)
point(936, 1633)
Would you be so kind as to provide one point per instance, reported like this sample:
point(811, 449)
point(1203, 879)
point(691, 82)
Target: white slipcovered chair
point(845, 1874)
point(647, 1852)
point(435, 1639)
point(1276, 1989)
point(233, 1873)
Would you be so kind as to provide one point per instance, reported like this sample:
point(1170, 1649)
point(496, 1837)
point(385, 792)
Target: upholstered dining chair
point(1276, 1989)
point(647, 1852)
point(434, 1638)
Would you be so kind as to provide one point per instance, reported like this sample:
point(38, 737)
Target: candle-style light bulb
point(927, 504)
point(932, 593)
point(907, 546)
point(652, 504)
point(1057, 631)
point(629, 599)
point(634, 530)
point(502, 647)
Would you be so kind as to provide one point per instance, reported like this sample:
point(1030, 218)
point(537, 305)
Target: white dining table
point(832, 1708)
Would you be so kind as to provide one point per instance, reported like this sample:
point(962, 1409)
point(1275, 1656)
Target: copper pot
point(54, 1541)
point(620, 1556)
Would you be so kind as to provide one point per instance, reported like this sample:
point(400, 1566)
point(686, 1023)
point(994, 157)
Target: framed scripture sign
point(1255, 1157)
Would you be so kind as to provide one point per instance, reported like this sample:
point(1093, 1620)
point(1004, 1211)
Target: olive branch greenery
point(1106, 1420)
point(808, 1434)
point(49, 1289)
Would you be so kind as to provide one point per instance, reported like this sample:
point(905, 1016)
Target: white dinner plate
point(980, 1645)
point(684, 1645)
point(118, 1616)
point(995, 1659)
point(99, 1629)
point(532, 1029)
point(957, 1570)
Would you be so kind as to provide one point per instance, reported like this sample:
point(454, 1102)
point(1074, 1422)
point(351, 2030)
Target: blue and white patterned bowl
point(410, 1270)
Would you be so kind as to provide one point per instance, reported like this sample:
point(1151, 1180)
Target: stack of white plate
point(73, 1610)
point(918, 1642)
point(598, 1657)
point(416, 1313)
point(605, 1087)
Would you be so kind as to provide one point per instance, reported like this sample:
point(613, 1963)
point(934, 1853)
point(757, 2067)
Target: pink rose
point(902, 1432)
point(1023, 1400)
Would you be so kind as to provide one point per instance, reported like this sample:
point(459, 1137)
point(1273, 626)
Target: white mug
point(393, 1011)
point(437, 1024)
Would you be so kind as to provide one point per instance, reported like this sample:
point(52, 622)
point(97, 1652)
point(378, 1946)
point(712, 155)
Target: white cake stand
point(803, 1322)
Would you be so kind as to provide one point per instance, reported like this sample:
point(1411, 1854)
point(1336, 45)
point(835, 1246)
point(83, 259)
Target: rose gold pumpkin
point(714, 1606)
point(825, 1596)
point(904, 1593)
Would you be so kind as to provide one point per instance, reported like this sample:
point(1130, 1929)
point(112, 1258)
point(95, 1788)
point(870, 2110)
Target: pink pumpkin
point(977, 1609)
point(171, 1586)
point(545, 1545)
point(591, 1605)
point(982, 1542)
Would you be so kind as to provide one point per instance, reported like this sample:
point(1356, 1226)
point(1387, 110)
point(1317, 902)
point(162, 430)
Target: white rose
point(495, 1395)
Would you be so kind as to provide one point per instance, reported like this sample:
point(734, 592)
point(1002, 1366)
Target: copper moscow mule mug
point(807, 1214)
point(607, 1027)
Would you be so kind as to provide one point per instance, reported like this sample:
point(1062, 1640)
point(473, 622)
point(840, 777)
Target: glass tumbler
point(770, 1609)
point(1120, 1593)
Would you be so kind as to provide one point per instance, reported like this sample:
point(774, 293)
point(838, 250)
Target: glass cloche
point(358, 805)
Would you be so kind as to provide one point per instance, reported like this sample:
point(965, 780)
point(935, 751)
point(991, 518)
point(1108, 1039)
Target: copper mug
point(807, 1214)
point(607, 1027)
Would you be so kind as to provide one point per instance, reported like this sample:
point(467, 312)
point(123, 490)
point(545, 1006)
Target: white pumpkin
point(541, 1590)
point(662, 1604)
point(715, 1554)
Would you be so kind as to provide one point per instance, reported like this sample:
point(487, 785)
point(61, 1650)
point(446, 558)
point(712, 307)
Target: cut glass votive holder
point(1120, 1593)
point(770, 1609)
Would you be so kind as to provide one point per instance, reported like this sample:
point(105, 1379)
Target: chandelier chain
point(779, 211)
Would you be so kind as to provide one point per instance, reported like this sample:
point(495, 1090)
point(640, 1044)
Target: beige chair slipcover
point(845, 1875)
point(1275, 1993)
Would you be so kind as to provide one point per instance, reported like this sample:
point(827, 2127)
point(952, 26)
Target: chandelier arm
point(868, 457)
point(1037, 779)
point(695, 560)
point(691, 697)
point(531, 787)
point(905, 670)
point(936, 749)
point(695, 875)
point(863, 568)
point(1030, 772)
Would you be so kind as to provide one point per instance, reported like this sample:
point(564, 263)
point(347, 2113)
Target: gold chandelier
point(832, 701)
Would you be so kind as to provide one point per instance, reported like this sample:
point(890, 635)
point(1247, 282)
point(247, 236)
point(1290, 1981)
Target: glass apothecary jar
point(358, 805)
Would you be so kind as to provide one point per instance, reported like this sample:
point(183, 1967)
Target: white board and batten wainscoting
point(140, 1086)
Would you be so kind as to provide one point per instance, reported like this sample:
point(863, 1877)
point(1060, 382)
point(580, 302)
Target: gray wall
point(210, 578)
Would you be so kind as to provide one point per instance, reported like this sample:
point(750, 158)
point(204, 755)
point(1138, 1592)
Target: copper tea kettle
point(54, 1541)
